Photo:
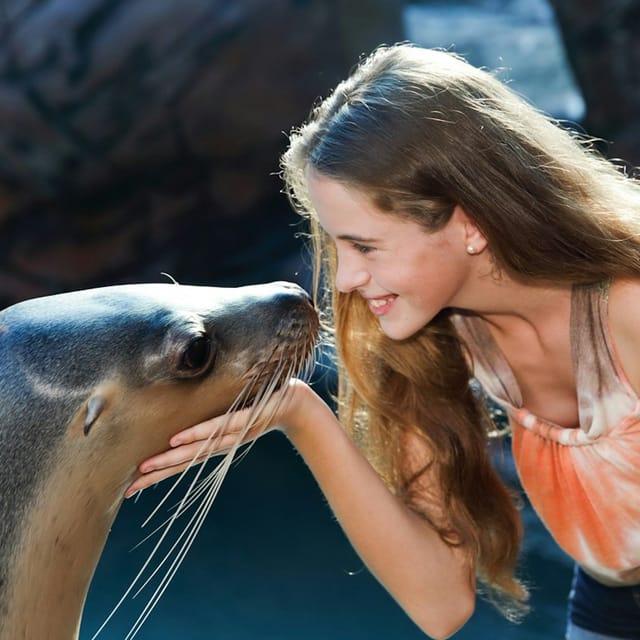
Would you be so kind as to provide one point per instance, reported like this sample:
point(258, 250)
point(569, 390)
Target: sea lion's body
point(91, 383)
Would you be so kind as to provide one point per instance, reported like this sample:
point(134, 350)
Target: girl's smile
point(380, 306)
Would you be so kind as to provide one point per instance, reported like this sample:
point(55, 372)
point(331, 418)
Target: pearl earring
point(471, 250)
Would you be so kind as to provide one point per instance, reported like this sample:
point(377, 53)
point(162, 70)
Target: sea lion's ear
point(95, 405)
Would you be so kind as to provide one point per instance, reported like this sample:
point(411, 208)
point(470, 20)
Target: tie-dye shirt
point(584, 483)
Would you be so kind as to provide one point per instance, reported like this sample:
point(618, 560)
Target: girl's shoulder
point(624, 304)
point(624, 326)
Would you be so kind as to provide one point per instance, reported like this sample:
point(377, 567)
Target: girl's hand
point(218, 436)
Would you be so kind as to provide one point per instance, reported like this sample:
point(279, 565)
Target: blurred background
point(142, 136)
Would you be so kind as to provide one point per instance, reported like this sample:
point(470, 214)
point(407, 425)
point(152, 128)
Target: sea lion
point(91, 383)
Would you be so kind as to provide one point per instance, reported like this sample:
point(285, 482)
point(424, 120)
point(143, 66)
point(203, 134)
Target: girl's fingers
point(200, 431)
point(172, 457)
point(211, 437)
point(170, 463)
point(230, 423)
point(235, 422)
point(149, 479)
point(174, 461)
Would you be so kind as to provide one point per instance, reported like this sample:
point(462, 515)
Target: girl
point(460, 233)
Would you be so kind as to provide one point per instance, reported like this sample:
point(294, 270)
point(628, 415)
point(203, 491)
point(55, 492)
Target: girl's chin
point(398, 333)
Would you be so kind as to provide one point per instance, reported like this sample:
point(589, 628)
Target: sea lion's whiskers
point(239, 402)
point(213, 482)
point(189, 534)
point(194, 492)
point(166, 528)
point(300, 366)
point(262, 396)
point(299, 362)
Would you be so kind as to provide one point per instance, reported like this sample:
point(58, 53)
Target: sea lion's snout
point(265, 317)
point(294, 300)
point(276, 336)
point(294, 307)
point(279, 298)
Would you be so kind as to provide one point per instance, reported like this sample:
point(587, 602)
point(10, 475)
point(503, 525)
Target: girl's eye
point(362, 248)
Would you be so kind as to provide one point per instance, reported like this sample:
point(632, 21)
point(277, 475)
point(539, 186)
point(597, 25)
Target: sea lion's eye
point(197, 354)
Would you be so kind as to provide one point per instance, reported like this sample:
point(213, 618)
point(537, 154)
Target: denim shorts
point(598, 612)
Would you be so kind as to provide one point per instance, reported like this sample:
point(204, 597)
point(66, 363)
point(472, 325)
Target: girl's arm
point(431, 581)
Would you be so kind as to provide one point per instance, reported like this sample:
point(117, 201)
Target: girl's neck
point(510, 306)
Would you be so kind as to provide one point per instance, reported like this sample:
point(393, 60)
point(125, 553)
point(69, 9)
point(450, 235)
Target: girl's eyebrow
point(358, 239)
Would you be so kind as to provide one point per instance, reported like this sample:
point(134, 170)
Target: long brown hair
point(419, 131)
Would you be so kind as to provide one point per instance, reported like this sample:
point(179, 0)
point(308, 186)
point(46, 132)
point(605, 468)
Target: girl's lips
point(380, 306)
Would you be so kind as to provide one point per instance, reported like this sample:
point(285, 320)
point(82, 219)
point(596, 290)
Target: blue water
point(270, 561)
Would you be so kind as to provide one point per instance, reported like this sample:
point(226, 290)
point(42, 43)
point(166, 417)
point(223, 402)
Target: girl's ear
point(474, 240)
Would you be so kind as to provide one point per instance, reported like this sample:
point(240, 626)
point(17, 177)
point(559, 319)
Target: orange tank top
point(584, 483)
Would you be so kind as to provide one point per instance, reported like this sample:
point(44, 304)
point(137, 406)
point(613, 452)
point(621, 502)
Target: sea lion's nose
point(289, 293)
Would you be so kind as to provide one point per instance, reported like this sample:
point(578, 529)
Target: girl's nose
point(350, 275)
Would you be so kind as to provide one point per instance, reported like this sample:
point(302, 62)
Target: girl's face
point(406, 273)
